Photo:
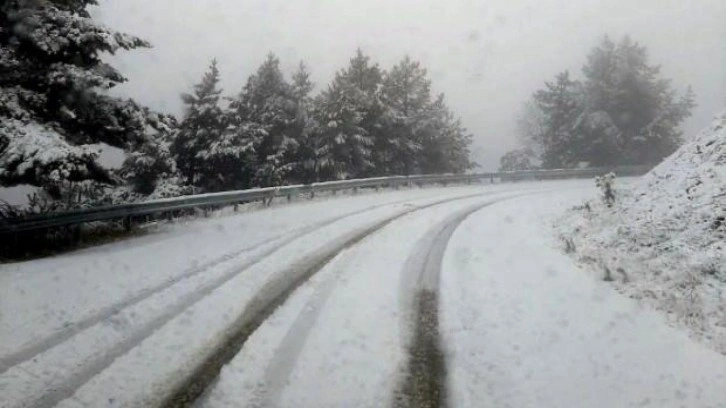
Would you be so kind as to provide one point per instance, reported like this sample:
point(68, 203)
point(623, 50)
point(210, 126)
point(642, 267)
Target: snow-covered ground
point(65, 318)
point(521, 325)
point(664, 240)
point(42, 297)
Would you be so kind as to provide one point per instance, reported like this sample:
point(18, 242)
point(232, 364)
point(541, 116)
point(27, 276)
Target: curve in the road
point(291, 345)
point(65, 388)
point(271, 297)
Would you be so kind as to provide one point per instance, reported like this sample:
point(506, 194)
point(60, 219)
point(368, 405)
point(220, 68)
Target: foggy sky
point(488, 57)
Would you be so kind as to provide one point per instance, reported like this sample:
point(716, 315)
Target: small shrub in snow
point(608, 277)
point(569, 245)
point(8, 211)
point(605, 184)
point(66, 195)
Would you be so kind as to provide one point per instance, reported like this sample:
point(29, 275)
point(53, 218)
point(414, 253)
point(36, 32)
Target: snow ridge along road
point(52, 369)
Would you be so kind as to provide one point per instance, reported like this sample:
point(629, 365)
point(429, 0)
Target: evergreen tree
point(348, 112)
point(52, 100)
point(203, 123)
point(265, 113)
point(406, 93)
point(457, 148)
point(304, 127)
point(214, 151)
point(301, 83)
point(632, 115)
point(621, 113)
point(444, 141)
point(152, 163)
point(560, 103)
point(531, 127)
point(517, 160)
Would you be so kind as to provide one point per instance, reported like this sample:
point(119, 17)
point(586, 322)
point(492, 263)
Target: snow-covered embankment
point(664, 240)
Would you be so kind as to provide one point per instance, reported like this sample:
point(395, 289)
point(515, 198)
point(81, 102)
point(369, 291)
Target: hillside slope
point(664, 240)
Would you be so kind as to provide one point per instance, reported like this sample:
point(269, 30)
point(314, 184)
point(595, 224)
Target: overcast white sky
point(486, 56)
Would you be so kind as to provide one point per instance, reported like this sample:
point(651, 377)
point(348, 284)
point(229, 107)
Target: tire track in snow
point(28, 352)
point(279, 370)
point(423, 384)
point(266, 302)
point(39, 346)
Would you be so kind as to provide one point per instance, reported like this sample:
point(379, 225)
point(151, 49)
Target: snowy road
point(430, 297)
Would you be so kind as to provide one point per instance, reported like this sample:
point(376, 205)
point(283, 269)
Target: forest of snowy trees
point(622, 112)
point(55, 113)
point(280, 128)
point(367, 122)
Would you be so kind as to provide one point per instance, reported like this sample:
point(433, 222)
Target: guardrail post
point(127, 223)
point(312, 193)
point(236, 207)
point(16, 238)
point(77, 234)
point(355, 190)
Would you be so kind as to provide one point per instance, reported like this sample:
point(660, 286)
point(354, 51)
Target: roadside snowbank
point(523, 327)
point(664, 240)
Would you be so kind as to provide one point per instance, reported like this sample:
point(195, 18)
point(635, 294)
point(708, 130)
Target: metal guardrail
point(126, 212)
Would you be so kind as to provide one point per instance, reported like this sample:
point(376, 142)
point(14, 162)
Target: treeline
point(54, 113)
point(367, 122)
point(622, 112)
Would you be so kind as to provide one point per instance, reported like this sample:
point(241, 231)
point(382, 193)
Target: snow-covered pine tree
point(265, 114)
point(445, 143)
point(420, 135)
point(205, 156)
point(302, 85)
point(516, 160)
point(151, 169)
point(531, 127)
point(456, 146)
point(348, 112)
point(304, 128)
point(560, 102)
point(622, 113)
point(52, 100)
point(632, 115)
point(406, 93)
